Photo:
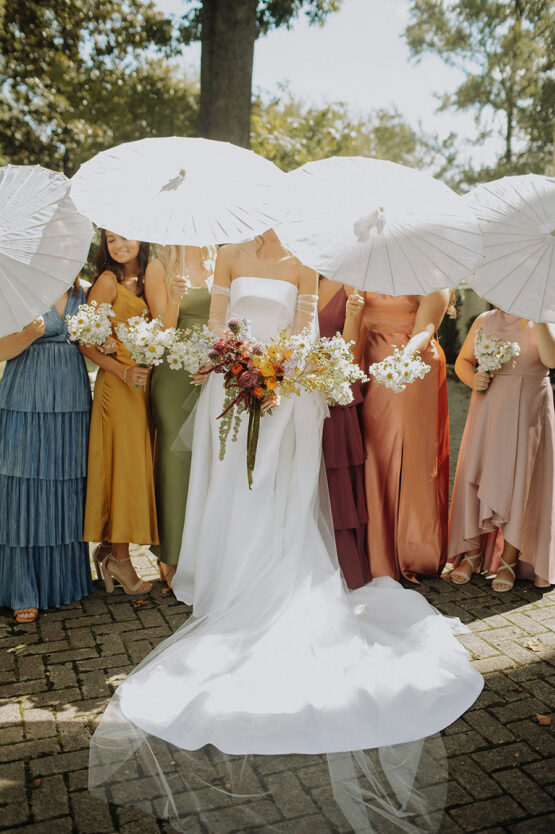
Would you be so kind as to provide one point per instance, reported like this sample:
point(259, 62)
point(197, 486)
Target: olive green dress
point(172, 397)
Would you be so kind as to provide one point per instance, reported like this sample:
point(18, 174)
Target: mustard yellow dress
point(120, 504)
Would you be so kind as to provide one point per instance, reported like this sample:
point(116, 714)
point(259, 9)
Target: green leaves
point(506, 49)
point(80, 75)
point(291, 133)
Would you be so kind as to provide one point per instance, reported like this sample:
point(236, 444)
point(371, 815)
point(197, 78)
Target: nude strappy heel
point(504, 585)
point(476, 567)
point(108, 575)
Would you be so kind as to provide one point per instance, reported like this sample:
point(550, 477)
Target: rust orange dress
point(120, 505)
point(406, 438)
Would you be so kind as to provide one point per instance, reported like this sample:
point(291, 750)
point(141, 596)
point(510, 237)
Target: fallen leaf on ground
point(534, 644)
point(36, 782)
point(166, 590)
point(543, 720)
point(139, 603)
point(17, 649)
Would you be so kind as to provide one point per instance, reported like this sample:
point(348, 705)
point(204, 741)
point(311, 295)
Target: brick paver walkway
point(57, 674)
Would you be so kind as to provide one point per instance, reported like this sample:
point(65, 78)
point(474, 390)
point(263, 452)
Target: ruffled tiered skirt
point(44, 426)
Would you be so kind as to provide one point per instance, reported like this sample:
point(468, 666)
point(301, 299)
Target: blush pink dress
point(504, 480)
point(344, 461)
point(406, 438)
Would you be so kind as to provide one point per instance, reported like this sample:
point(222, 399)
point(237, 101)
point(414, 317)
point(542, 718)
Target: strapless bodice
point(388, 314)
point(268, 304)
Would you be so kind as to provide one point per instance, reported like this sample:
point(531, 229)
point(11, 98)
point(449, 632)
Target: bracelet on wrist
point(125, 374)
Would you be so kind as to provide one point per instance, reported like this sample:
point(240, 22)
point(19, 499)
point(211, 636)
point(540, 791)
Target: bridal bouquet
point(146, 341)
point(492, 352)
point(91, 324)
point(255, 374)
point(399, 369)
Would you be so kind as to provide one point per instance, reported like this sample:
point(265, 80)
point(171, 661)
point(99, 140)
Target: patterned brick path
point(57, 674)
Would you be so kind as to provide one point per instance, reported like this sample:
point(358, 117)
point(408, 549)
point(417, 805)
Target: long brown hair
point(452, 305)
point(103, 261)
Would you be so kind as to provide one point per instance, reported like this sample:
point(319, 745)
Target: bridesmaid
point(340, 310)
point(406, 438)
point(120, 506)
point(45, 402)
point(503, 508)
point(172, 393)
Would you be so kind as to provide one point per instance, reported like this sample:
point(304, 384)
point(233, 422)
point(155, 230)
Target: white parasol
point(379, 226)
point(44, 243)
point(179, 191)
point(517, 218)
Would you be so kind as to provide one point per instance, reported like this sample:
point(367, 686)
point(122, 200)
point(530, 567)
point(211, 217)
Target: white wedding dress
point(278, 657)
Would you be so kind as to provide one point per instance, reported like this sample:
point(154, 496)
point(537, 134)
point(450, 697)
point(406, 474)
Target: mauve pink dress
point(344, 461)
point(504, 480)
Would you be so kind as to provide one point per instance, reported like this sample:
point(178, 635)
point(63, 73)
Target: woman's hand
point(109, 346)
point(35, 329)
point(355, 305)
point(201, 376)
point(267, 404)
point(135, 376)
point(481, 381)
point(177, 288)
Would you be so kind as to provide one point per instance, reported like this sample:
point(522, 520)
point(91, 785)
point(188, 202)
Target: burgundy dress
point(344, 460)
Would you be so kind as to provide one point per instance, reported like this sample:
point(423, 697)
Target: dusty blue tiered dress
point(45, 403)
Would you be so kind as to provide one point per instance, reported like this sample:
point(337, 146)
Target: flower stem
point(252, 439)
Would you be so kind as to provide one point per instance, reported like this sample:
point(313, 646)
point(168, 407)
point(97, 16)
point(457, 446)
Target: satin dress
point(120, 504)
point(504, 485)
point(173, 397)
point(406, 438)
point(344, 460)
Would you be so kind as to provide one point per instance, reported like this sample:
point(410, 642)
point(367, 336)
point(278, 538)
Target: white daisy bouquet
point(325, 365)
point(399, 369)
point(492, 352)
point(189, 348)
point(146, 341)
point(91, 324)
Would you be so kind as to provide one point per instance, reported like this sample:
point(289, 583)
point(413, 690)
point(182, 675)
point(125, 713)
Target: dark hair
point(103, 262)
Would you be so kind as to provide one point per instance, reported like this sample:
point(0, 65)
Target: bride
point(278, 658)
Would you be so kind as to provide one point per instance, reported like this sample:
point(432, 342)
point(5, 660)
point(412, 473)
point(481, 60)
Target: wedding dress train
point(278, 657)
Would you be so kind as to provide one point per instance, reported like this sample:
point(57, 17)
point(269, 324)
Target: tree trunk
point(228, 36)
point(509, 134)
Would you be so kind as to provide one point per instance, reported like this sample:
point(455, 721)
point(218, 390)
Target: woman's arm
point(159, 301)
point(353, 315)
point(306, 311)
point(14, 344)
point(465, 363)
point(219, 303)
point(104, 291)
point(545, 336)
point(428, 318)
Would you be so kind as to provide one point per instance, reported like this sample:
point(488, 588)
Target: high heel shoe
point(501, 586)
point(97, 557)
point(458, 577)
point(108, 575)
